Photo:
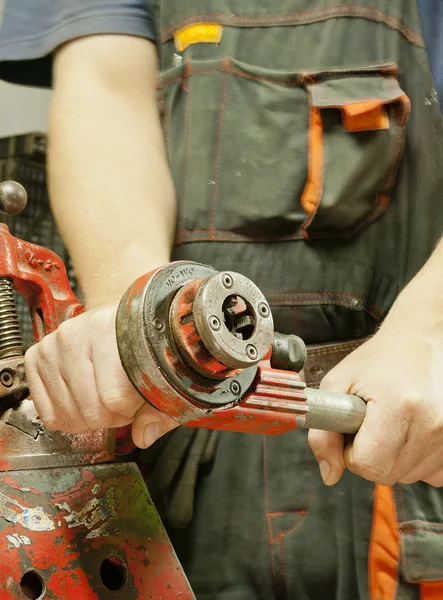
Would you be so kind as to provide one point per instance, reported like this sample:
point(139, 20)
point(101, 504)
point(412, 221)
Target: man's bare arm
point(110, 186)
point(114, 202)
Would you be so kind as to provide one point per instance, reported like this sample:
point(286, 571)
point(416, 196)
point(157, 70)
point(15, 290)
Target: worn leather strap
point(321, 358)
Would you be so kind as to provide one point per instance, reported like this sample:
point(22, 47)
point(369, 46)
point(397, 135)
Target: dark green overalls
point(296, 163)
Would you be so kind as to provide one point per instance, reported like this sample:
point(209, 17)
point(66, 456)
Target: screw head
point(6, 378)
point(214, 323)
point(251, 351)
point(158, 324)
point(264, 310)
point(235, 388)
point(227, 280)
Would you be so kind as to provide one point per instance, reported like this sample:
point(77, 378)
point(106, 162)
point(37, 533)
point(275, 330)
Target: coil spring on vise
point(11, 340)
point(12, 201)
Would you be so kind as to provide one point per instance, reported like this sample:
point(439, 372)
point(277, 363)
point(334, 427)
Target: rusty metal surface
point(84, 533)
point(26, 444)
point(13, 383)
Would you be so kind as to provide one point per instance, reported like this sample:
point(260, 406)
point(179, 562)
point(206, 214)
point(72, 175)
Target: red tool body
point(73, 524)
point(200, 346)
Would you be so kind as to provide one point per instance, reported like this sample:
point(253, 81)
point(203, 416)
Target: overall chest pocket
point(258, 154)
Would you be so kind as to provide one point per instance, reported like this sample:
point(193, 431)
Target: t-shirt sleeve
point(30, 31)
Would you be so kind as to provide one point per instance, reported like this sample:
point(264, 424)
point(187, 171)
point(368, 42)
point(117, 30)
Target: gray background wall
point(22, 109)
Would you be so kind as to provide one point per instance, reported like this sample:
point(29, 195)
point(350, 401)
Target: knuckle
point(31, 354)
point(49, 420)
point(75, 428)
point(64, 329)
point(93, 417)
point(121, 401)
point(372, 470)
point(329, 381)
point(408, 480)
point(436, 480)
point(43, 351)
point(64, 335)
point(410, 405)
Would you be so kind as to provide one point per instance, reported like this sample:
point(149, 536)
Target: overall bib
point(306, 144)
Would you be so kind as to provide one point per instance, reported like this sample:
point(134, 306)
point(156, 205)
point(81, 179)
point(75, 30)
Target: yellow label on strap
point(198, 33)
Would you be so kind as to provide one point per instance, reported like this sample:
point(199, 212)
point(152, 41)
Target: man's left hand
point(399, 373)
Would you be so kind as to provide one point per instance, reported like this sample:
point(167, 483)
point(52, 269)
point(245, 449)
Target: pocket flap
point(422, 551)
point(342, 91)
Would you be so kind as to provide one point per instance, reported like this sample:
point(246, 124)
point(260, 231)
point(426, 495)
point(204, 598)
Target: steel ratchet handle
point(279, 402)
point(333, 411)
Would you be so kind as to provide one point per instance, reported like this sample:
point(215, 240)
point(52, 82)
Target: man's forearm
point(420, 304)
point(110, 185)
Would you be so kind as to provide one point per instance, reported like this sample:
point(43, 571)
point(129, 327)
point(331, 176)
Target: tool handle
point(332, 411)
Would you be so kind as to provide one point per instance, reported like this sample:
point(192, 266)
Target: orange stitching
point(303, 512)
point(399, 494)
point(301, 78)
point(228, 69)
point(300, 511)
point(311, 302)
point(313, 293)
point(413, 530)
point(188, 236)
point(334, 350)
point(367, 309)
point(233, 233)
point(340, 294)
point(295, 83)
point(390, 175)
point(211, 223)
point(267, 501)
point(418, 521)
point(281, 548)
point(304, 18)
point(188, 112)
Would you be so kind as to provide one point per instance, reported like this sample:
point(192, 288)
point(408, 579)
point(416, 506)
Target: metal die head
point(152, 358)
point(246, 327)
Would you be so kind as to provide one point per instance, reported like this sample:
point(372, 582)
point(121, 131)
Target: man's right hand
point(78, 384)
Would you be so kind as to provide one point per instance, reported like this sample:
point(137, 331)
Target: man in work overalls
point(303, 142)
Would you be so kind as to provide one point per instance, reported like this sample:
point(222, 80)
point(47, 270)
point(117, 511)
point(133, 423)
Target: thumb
point(328, 448)
point(149, 425)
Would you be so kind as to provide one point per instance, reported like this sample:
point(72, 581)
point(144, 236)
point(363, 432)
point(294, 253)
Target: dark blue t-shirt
point(431, 12)
point(31, 30)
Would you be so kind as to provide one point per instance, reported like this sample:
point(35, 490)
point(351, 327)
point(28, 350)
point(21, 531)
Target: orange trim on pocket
point(384, 550)
point(365, 116)
point(431, 590)
point(313, 188)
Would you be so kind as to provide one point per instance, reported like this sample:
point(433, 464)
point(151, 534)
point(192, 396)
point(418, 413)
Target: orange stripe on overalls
point(384, 552)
